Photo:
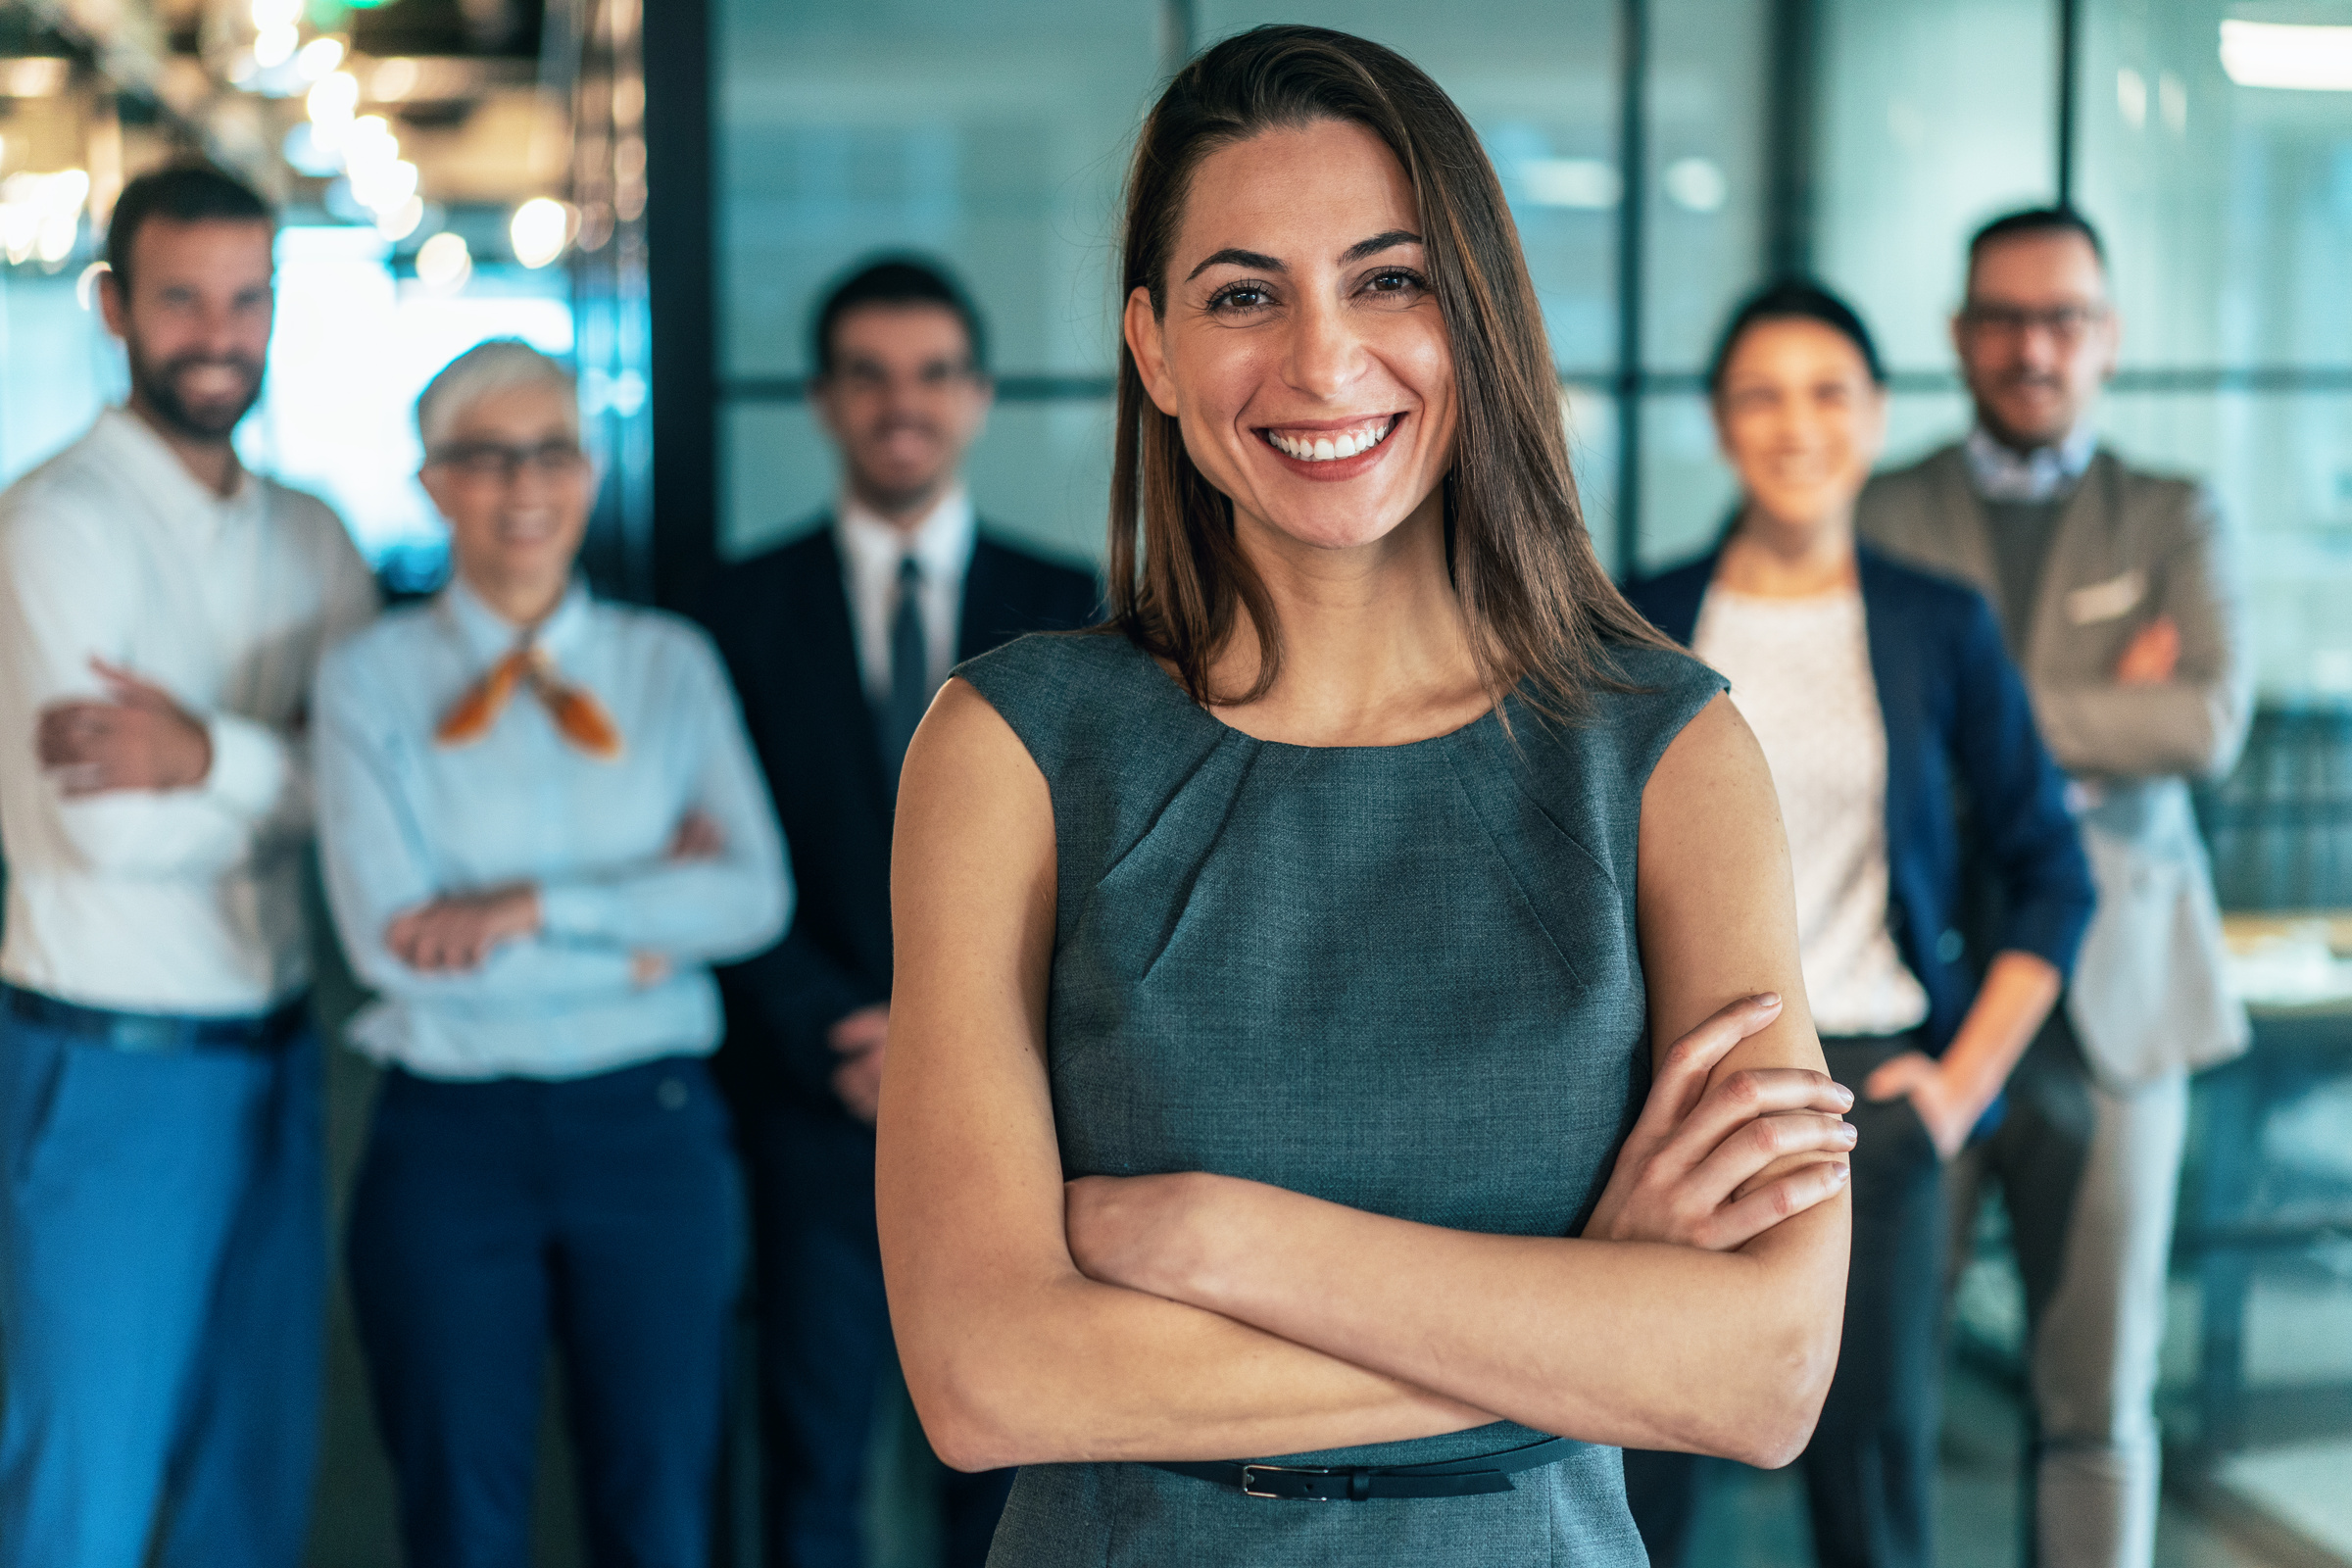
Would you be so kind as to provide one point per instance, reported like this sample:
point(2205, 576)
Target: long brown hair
point(1535, 601)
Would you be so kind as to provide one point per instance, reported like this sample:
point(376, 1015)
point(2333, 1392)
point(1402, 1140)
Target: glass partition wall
point(996, 139)
point(1662, 157)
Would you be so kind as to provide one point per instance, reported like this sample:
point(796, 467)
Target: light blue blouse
point(403, 821)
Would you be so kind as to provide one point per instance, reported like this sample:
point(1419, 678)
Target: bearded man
point(163, 1255)
point(2115, 589)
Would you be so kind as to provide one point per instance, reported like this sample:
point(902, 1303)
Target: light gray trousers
point(2094, 1287)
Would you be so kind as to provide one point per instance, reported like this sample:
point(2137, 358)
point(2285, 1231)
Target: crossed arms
point(1200, 1317)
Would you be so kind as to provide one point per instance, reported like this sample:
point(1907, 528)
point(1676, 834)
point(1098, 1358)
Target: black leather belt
point(1451, 1478)
point(158, 1032)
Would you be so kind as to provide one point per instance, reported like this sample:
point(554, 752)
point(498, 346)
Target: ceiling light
point(1696, 185)
point(539, 230)
point(369, 145)
point(34, 76)
point(56, 239)
point(332, 102)
point(274, 46)
point(1581, 182)
point(2279, 54)
point(308, 152)
point(20, 231)
point(319, 56)
point(443, 263)
point(393, 80)
point(399, 222)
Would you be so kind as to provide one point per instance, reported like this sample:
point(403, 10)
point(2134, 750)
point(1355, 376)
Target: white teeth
point(1329, 448)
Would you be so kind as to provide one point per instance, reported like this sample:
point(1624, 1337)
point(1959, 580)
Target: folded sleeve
point(55, 618)
point(377, 863)
point(2192, 724)
point(708, 909)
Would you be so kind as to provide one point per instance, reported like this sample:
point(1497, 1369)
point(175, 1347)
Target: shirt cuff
point(249, 766)
point(585, 913)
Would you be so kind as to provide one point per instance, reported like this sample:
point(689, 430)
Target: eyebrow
point(1387, 239)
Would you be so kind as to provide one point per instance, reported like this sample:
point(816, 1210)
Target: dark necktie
point(909, 672)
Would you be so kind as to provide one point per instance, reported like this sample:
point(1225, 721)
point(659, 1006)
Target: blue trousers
point(824, 1345)
point(163, 1274)
point(604, 1214)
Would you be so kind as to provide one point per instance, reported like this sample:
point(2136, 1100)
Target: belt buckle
point(1250, 1491)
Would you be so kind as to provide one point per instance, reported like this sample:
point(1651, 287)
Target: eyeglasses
point(2065, 323)
point(868, 379)
point(494, 459)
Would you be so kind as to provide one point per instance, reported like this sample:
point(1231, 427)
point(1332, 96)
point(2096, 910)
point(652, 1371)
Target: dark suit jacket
point(782, 623)
point(1959, 732)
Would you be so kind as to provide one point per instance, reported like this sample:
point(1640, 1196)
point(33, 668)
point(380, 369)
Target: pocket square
point(2104, 600)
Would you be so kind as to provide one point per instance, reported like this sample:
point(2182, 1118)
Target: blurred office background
point(660, 190)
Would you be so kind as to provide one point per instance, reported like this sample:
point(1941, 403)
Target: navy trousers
point(604, 1214)
point(825, 1343)
point(163, 1281)
point(1870, 1470)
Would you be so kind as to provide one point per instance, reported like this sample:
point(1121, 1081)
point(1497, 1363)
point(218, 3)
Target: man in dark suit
point(837, 643)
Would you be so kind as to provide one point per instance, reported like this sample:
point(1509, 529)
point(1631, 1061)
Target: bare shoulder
point(964, 747)
point(976, 822)
point(1711, 789)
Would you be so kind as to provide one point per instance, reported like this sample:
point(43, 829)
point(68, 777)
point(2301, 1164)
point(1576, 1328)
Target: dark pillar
point(682, 281)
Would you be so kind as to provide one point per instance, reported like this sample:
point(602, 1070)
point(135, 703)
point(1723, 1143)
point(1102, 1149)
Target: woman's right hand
point(1688, 1171)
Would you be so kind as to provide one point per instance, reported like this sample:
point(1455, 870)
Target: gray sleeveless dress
point(1403, 978)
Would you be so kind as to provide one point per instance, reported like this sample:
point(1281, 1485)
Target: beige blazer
point(2149, 996)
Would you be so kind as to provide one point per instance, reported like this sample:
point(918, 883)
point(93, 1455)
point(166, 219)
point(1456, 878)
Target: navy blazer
point(782, 623)
point(1959, 734)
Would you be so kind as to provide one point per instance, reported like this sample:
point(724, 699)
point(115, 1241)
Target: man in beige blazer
point(2116, 595)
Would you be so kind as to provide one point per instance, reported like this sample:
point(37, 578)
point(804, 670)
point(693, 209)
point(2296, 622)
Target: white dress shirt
point(403, 819)
point(1800, 675)
point(2044, 473)
point(870, 553)
point(187, 901)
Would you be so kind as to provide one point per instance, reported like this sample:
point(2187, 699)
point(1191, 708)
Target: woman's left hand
point(1143, 1232)
point(1945, 1109)
point(458, 930)
point(1694, 1170)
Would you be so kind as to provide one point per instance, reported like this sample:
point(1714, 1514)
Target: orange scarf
point(578, 717)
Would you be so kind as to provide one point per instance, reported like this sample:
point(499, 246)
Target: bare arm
point(1952, 1092)
point(1612, 1341)
point(1012, 1354)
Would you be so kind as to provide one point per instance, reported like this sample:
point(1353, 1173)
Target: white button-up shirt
point(2043, 475)
point(870, 552)
point(403, 820)
point(186, 900)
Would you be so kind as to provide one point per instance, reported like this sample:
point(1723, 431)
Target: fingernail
point(1838, 1171)
point(1852, 1134)
point(1847, 1095)
point(1769, 999)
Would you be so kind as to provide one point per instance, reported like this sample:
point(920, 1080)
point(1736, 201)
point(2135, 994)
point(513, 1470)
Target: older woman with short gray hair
point(541, 822)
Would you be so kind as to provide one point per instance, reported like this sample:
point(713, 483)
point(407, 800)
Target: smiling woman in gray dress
point(1282, 972)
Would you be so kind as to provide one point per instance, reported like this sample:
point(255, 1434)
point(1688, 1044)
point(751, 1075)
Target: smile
point(1333, 446)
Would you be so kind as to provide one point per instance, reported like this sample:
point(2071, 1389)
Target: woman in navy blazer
point(1814, 633)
